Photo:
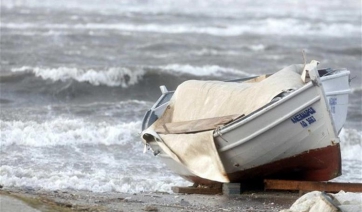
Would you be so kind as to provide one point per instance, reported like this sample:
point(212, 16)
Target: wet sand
point(67, 200)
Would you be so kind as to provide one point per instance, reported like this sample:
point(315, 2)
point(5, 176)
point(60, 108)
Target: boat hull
point(315, 165)
point(294, 138)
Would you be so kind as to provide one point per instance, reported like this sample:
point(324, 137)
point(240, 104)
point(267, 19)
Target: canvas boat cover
point(195, 101)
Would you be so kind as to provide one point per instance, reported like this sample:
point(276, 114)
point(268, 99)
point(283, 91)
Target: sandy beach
point(67, 200)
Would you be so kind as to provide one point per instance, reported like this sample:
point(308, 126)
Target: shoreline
point(70, 200)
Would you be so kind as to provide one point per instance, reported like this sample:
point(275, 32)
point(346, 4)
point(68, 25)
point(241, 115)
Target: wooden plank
point(195, 125)
point(196, 190)
point(311, 186)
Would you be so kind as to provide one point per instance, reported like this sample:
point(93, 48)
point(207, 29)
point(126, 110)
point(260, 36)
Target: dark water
point(77, 76)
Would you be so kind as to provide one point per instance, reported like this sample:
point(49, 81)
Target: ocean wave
point(268, 26)
point(65, 132)
point(195, 7)
point(213, 52)
point(75, 154)
point(351, 144)
point(257, 47)
point(208, 70)
point(123, 76)
point(217, 51)
point(110, 77)
point(96, 181)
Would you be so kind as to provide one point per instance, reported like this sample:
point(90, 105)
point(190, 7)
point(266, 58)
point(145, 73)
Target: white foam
point(110, 77)
point(351, 144)
point(67, 154)
point(351, 152)
point(269, 26)
point(213, 52)
point(214, 8)
point(207, 70)
point(356, 90)
point(98, 180)
point(62, 131)
point(258, 47)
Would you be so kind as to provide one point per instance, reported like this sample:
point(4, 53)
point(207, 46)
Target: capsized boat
point(283, 126)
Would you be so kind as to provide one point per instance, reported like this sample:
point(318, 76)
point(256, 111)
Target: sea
point(76, 78)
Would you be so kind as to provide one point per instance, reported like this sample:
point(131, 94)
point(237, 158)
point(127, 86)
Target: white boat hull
point(293, 138)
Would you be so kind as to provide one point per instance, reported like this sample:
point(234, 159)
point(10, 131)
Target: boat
point(279, 126)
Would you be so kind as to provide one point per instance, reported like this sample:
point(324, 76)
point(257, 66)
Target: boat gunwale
point(347, 91)
point(336, 74)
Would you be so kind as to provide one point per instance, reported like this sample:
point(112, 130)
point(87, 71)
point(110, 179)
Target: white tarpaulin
point(194, 100)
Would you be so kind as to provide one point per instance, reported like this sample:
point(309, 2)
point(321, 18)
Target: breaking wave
point(96, 181)
point(351, 148)
point(271, 26)
point(65, 132)
point(110, 77)
point(75, 154)
point(209, 70)
point(125, 76)
point(351, 144)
